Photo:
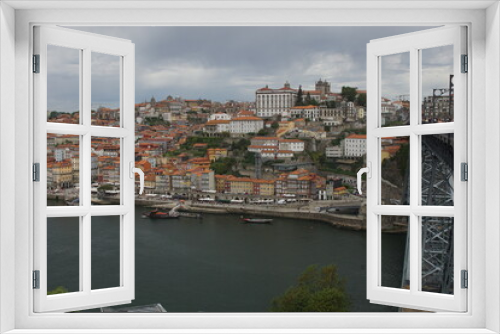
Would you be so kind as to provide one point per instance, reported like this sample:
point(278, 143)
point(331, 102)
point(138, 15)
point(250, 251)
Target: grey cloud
point(222, 63)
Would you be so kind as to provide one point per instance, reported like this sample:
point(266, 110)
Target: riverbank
point(292, 211)
point(345, 221)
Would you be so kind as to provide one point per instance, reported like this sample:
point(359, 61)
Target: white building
point(314, 94)
point(220, 116)
point(361, 113)
point(310, 112)
point(245, 125)
point(216, 127)
point(275, 147)
point(355, 146)
point(273, 154)
point(334, 151)
point(331, 112)
point(294, 145)
point(270, 102)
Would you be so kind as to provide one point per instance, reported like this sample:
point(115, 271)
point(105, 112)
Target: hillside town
point(288, 145)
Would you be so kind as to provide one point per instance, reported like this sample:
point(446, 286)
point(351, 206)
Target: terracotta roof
point(265, 138)
point(216, 121)
point(291, 141)
point(268, 147)
point(247, 119)
point(305, 107)
point(354, 136)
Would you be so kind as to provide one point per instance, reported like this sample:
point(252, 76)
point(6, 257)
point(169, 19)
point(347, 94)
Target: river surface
point(218, 264)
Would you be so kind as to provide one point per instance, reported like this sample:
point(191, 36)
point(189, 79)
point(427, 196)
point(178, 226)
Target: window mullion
point(86, 161)
point(415, 247)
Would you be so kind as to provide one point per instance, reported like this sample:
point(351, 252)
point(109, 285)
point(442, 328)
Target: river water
point(218, 264)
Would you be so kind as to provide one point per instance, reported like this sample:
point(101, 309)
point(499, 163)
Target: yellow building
point(216, 153)
point(60, 174)
point(263, 187)
point(240, 185)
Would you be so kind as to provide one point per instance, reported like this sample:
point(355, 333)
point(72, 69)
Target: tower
point(324, 87)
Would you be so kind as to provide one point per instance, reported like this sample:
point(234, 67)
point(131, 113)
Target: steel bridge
point(437, 232)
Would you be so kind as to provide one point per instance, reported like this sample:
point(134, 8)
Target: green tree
point(349, 93)
point(223, 166)
point(58, 290)
point(401, 157)
point(241, 144)
point(275, 125)
point(105, 187)
point(300, 98)
point(331, 104)
point(361, 99)
point(263, 132)
point(308, 100)
point(317, 290)
point(249, 158)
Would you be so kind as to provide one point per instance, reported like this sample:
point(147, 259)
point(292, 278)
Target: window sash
point(86, 43)
point(414, 297)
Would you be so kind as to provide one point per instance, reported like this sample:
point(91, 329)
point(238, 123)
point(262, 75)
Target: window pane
point(394, 267)
point(63, 255)
point(395, 157)
point(395, 89)
point(63, 169)
point(63, 85)
point(437, 84)
point(437, 169)
point(437, 254)
point(105, 90)
point(105, 170)
point(105, 252)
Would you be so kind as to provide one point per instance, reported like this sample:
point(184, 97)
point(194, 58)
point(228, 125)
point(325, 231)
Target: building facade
point(271, 102)
point(355, 146)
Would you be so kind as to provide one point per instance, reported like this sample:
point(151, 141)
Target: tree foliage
point(223, 166)
point(300, 97)
point(241, 144)
point(263, 132)
point(317, 290)
point(331, 104)
point(105, 187)
point(58, 290)
point(349, 93)
point(310, 101)
point(361, 99)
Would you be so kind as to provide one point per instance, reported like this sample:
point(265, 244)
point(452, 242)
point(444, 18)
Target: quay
point(309, 211)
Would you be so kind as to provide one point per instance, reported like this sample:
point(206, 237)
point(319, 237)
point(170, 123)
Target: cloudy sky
point(226, 63)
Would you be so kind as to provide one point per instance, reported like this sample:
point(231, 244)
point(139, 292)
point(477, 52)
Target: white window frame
point(412, 44)
point(484, 102)
point(123, 50)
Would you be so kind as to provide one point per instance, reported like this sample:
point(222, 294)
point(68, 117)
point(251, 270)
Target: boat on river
point(257, 220)
point(156, 214)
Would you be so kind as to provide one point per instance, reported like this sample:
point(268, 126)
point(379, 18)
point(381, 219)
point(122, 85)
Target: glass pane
point(105, 170)
point(63, 169)
point(437, 84)
point(394, 266)
point(437, 169)
point(437, 254)
point(63, 255)
point(63, 85)
point(395, 89)
point(105, 252)
point(395, 183)
point(105, 90)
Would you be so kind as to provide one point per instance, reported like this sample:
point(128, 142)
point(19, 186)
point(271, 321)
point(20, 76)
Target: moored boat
point(155, 214)
point(257, 220)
